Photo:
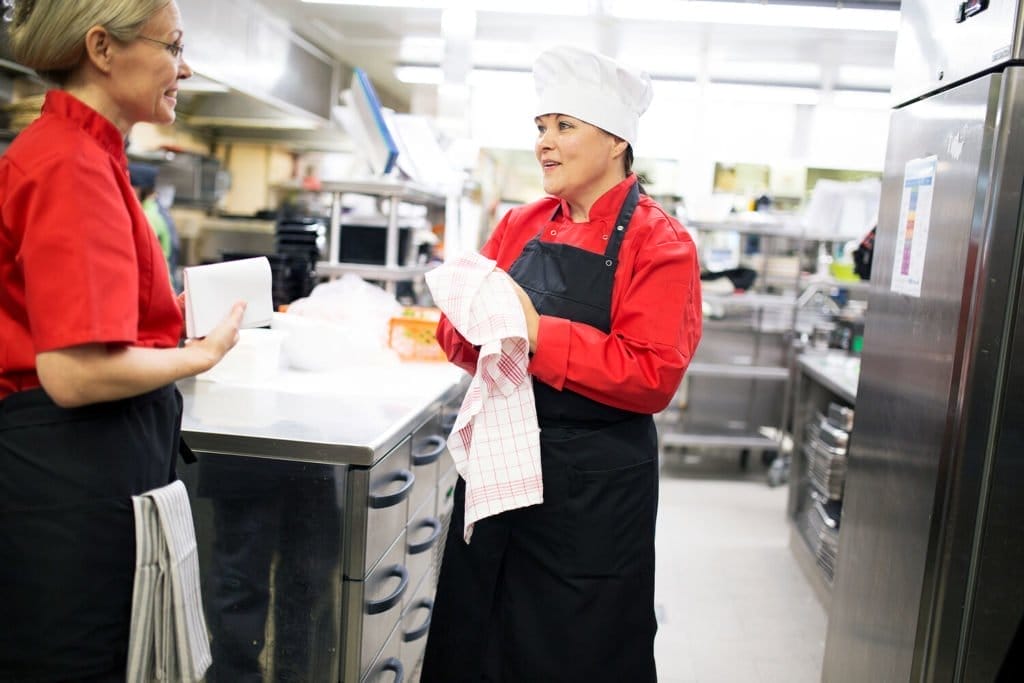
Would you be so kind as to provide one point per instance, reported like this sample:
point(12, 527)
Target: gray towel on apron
point(169, 640)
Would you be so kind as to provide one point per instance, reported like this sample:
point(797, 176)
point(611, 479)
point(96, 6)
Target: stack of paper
point(211, 291)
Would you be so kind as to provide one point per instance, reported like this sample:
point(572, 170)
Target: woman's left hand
point(532, 317)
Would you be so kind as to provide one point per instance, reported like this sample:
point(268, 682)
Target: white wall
point(697, 128)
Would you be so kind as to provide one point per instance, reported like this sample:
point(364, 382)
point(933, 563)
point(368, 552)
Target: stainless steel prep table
point(310, 501)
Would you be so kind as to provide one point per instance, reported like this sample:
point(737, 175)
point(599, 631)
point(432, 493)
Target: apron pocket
point(611, 496)
point(613, 515)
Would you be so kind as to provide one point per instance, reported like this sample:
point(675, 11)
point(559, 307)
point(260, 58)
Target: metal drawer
point(428, 445)
point(377, 508)
point(415, 626)
point(422, 536)
point(388, 667)
point(372, 610)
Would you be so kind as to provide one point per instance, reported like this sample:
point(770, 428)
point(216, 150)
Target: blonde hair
point(49, 35)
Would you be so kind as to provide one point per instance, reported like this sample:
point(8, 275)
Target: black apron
point(67, 530)
point(562, 591)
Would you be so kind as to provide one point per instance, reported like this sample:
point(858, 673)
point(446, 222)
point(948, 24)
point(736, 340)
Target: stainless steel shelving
point(737, 391)
point(396, 191)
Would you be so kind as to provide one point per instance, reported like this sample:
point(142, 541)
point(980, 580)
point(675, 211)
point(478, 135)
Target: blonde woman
point(89, 332)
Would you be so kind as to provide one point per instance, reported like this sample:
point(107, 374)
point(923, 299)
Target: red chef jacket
point(78, 261)
point(655, 309)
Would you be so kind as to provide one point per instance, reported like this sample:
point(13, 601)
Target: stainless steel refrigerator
point(929, 584)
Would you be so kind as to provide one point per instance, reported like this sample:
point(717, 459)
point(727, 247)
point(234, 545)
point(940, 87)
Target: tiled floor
point(733, 604)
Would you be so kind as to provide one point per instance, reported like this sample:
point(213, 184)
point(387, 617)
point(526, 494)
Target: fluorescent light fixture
point(421, 49)
point(571, 8)
point(429, 74)
point(736, 92)
point(766, 72)
point(858, 77)
point(419, 74)
point(862, 99)
point(751, 14)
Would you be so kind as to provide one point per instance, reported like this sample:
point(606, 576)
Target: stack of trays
point(825, 447)
point(299, 244)
point(819, 524)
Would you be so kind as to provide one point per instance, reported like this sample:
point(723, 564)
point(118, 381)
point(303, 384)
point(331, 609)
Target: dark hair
point(628, 164)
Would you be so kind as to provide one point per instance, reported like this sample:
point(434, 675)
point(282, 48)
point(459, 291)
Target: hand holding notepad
point(211, 291)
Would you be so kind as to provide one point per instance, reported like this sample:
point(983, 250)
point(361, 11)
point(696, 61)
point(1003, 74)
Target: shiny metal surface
point(422, 536)
point(377, 509)
point(933, 51)
point(369, 627)
point(352, 418)
point(931, 374)
point(415, 626)
point(269, 536)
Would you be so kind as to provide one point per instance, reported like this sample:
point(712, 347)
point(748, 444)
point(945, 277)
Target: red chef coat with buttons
point(79, 263)
point(655, 308)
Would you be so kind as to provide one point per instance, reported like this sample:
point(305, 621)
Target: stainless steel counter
point(837, 371)
point(321, 501)
point(352, 416)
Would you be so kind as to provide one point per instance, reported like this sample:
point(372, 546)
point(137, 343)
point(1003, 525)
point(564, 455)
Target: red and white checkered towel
point(495, 442)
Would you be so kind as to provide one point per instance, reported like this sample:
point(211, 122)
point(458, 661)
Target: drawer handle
point(432, 448)
point(384, 604)
point(378, 501)
point(420, 631)
point(433, 522)
point(394, 664)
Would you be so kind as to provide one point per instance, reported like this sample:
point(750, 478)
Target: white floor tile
point(734, 605)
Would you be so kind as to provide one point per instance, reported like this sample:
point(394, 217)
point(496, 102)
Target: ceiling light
point(862, 99)
point(751, 93)
point(745, 13)
point(562, 7)
point(419, 74)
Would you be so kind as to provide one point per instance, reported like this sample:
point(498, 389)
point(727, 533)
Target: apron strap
point(621, 223)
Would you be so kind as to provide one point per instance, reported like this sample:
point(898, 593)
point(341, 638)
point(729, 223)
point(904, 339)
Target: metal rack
point(396, 191)
point(736, 393)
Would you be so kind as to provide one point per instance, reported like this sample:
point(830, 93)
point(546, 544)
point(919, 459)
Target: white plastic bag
point(341, 323)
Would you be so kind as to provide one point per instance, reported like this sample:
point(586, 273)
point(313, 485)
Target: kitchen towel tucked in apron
point(495, 441)
point(168, 632)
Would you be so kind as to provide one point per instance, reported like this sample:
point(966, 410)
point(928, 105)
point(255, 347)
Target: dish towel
point(495, 441)
point(168, 639)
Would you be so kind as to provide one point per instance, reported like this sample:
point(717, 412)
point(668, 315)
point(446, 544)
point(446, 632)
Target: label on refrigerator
point(912, 232)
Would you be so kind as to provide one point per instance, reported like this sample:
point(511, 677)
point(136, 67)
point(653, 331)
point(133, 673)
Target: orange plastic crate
point(412, 334)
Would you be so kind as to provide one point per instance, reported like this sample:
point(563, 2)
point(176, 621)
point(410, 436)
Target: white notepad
point(211, 291)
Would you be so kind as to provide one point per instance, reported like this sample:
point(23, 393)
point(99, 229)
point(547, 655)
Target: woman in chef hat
point(610, 287)
point(89, 332)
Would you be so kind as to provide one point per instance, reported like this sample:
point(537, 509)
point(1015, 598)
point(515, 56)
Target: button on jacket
point(656, 304)
point(70, 215)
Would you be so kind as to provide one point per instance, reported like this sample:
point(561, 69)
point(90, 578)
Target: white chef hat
point(593, 88)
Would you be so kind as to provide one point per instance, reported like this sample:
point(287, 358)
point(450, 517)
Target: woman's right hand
point(221, 339)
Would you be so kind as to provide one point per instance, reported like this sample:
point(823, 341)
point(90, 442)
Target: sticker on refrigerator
point(912, 232)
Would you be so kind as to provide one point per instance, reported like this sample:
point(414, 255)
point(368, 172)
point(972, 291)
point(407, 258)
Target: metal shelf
point(390, 272)
point(372, 272)
point(717, 440)
point(781, 228)
point(751, 299)
point(768, 372)
point(403, 191)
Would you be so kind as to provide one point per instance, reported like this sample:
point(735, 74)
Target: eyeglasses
point(176, 49)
